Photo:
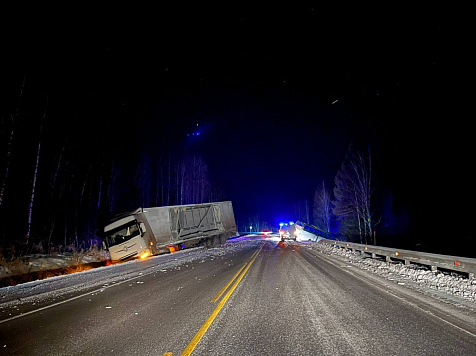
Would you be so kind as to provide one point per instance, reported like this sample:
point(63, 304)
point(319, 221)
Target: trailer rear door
point(191, 221)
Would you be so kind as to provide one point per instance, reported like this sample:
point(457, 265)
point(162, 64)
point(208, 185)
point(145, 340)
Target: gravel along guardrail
point(434, 261)
point(449, 282)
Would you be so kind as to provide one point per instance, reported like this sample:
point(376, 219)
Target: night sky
point(278, 96)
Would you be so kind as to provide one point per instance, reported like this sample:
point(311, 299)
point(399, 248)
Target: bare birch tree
point(14, 119)
point(322, 208)
point(362, 173)
point(54, 199)
point(306, 209)
point(35, 173)
point(353, 191)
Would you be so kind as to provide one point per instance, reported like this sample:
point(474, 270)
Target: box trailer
point(150, 231)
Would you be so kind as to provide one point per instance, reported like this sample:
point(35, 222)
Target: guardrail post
point(374, 255)
point(388, 259)
point(433, 268)
point(407, 263)
point(471, 276)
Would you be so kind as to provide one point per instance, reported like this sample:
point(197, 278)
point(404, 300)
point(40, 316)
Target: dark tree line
point(253, 223)
point(65, 171)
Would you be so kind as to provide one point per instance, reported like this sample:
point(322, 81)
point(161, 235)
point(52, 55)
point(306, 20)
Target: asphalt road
point(285, 299)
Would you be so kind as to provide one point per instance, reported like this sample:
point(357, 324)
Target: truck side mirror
point(142, 227)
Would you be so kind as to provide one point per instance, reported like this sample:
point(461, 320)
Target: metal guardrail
point(434, 261)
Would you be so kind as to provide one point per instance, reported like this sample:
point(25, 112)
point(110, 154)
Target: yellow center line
point(223, 290)
point(191, 346)
point(256, 253)
point(227, 285)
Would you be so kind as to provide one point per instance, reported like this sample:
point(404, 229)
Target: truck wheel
point(216, 241)
point(223, 239)
point(209, 242)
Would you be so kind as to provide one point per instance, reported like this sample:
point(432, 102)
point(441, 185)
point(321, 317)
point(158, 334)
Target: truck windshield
point(122, 233)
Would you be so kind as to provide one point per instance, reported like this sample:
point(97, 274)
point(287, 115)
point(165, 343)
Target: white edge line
point(406, 301)
point(85, 294)
point(76, 297)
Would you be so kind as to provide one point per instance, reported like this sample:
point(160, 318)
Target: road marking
point(196, 339)
point(76, 297)
point(404, 300)
point(227, 285)
point(53, 305)
point(427, 311)
point(214, 300)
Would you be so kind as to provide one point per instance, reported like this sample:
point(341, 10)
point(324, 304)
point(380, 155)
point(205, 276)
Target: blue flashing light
point(291, 223)
point(281, 224)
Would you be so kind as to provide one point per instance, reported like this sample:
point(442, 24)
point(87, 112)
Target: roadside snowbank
point(449, 282)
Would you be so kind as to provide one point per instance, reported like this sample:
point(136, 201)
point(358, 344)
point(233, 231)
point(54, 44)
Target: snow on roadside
point(57, 286)
point(447, 282)
point(38, 262)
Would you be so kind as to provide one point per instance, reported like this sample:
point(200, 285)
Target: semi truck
point(150, 231)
